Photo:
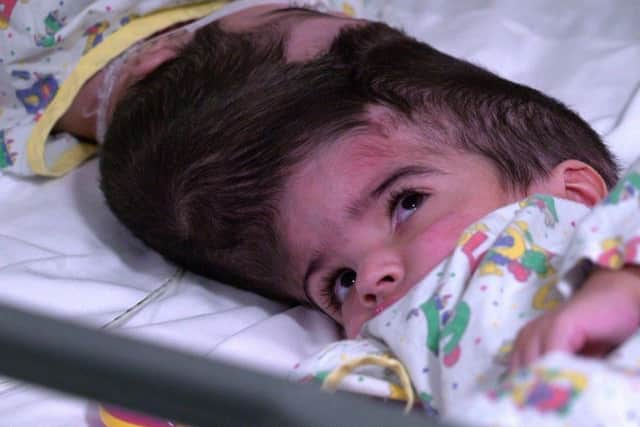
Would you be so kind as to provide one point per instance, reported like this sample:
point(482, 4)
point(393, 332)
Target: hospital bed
point(64, 255)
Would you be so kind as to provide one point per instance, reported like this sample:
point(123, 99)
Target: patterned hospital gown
point(453, 331)
point(49, 49)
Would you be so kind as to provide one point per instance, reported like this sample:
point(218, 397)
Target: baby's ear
point(573, 180)
point(158, 52)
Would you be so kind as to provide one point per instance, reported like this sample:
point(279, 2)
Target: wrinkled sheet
point(63, 253)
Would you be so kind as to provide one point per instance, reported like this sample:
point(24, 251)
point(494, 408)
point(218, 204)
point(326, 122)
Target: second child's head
point(341, 181)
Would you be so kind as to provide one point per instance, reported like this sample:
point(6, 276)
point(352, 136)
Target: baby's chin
point(353, 328)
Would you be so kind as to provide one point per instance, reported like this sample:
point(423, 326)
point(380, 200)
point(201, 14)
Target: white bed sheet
point(63, 253)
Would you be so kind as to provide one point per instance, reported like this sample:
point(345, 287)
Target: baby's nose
point(379, 280)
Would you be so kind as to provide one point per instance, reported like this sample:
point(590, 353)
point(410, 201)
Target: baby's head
point(343, 180)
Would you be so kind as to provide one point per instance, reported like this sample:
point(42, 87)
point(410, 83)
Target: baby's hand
point(599, 317)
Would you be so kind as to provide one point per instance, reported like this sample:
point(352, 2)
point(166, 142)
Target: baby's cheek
point(354, 315)
point(438, 240)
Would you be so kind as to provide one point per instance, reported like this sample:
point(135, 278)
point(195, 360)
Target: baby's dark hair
point(197, 153)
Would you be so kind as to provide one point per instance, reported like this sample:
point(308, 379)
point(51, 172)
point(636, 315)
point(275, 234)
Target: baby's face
point(371, 215)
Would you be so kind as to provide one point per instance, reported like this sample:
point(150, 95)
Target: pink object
point(112, 416)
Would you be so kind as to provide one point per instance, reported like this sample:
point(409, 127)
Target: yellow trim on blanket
point(72, 157)
point(402, 392)
point(88, 65)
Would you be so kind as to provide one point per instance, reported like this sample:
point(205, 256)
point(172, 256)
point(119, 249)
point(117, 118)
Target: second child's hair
point(198, 152)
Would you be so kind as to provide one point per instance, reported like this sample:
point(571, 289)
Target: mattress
point(63, 253)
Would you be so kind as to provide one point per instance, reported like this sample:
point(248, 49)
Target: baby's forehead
point(385, 137)
point(344, 170)
point(359, 155)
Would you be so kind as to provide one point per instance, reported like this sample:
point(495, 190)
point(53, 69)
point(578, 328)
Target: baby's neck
point(79, 119)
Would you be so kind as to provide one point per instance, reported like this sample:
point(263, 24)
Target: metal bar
point(156, 380)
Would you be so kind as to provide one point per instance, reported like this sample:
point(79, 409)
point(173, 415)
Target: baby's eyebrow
point(357, 207)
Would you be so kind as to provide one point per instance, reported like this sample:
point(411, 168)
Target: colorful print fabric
point(454, 330)
point(40, 43)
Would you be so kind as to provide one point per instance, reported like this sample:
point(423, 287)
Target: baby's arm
point(601, 315)
point(604, 309)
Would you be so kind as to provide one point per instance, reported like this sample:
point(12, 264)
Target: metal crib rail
point(153, 379)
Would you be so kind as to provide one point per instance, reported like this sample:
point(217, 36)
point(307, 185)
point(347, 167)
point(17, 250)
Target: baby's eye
point(405, 205)
point(342, 283)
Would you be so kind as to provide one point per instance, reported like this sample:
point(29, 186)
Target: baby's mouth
point(382, 307)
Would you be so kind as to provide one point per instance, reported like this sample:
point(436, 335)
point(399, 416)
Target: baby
point(430, 238)
point(426, 238)
point(349, 189)
point(525, 270)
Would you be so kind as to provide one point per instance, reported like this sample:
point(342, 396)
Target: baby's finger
point(532, 349)
point(562, 337)
point(515, 360)
point(519, 349)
